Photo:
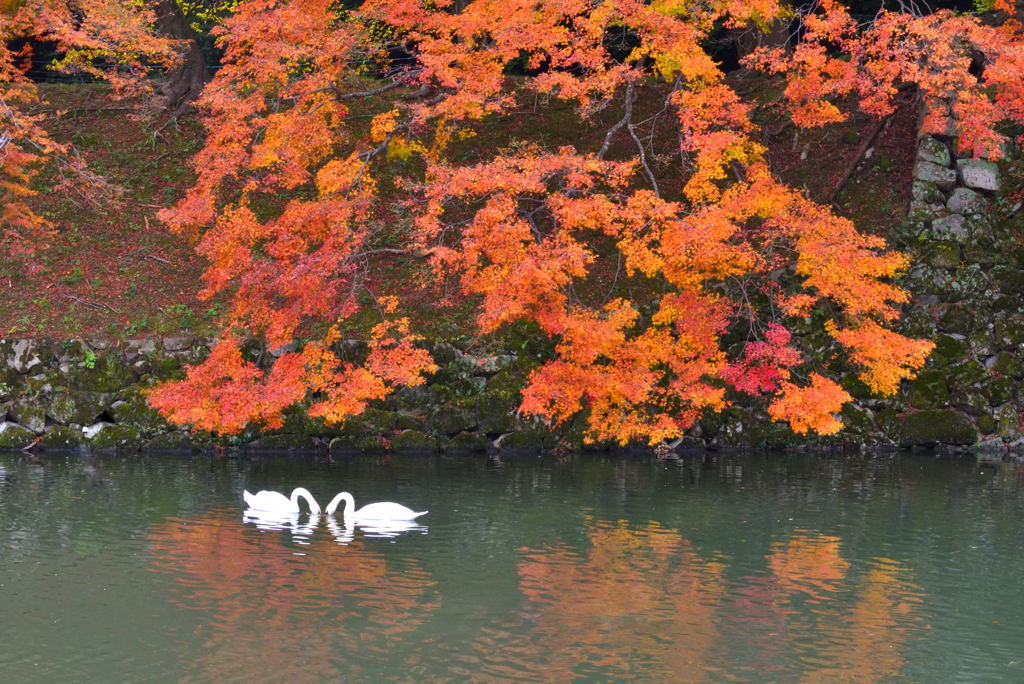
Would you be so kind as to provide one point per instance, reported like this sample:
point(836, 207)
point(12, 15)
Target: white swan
point(277, 502)
point(389, 528)
point(385, 510)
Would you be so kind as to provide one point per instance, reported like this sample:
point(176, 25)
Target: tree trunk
point(185, 82)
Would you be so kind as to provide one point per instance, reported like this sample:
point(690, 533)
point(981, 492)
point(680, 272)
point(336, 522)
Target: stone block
point(82, 408)
point(927, 192)
point(1009, 422)
point(525, 440)
point(143, 346)
point(135, 412)
point(450, 420)
point(467, 442)
point(1009, 332)
point(941, 426)
point(925, 211)
point(178, 343)
point(979, 174)
point(62, 437)
point(986, 424)
point(14, 436)
point(935, 151)
point(944, 256)
point(857, 420)
point(952, 227)
point(961, 319)
point(929, 390)
point(966, 201)
point(1009, 280)
point(25, 356)
point(944, 178)
point(170, 441)
point(283, 442)
point(109, 436)
point(1006, 364)
point(965, 373)
point(29, 414)
point(998, 390)
point(413, 440)
point(109, 373)
point(948, 350)
point(970, 400)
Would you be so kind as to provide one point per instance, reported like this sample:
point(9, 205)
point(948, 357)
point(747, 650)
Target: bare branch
point(624, 121)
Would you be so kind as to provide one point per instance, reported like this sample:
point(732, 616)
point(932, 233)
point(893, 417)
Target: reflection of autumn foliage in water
point(288, 611)
point(809, 563)
point(861, 643)
point(641, 602)
point(639, 597)
point(866, 645)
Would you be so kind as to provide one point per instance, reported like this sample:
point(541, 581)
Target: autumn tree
point(720, 257)
point(111, 40)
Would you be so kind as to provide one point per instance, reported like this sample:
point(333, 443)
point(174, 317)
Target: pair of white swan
point(275, 502)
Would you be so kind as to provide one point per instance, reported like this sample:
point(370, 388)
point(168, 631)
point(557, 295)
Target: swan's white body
point(385, 510)
point(276, 502)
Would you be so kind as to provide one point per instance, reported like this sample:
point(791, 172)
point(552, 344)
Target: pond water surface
point(588, 568)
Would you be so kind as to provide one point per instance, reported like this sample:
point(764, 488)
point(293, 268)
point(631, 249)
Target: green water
point(590, 568)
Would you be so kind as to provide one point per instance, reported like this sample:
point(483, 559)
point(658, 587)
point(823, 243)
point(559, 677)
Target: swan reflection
point(345, 533)
point(275, 520)
point(303, 527)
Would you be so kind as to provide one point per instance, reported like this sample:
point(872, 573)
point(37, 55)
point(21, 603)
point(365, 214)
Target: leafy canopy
point(714, 248)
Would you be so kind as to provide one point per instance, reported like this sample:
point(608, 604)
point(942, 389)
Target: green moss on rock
point(948, 350)
point(986, 424)
point(282, 442)
point(14, 436)
point(957, 318)
point(965, 373)
point(495, 414)
point(1009, 422)
point(467, 442)
point(1007, 364)
point(526, 439)
point(81, 408)
point(1009, 280)
point(1009, 331)
point(27, 412)
point(451, 420)
point(413, 440)
point(999, 390)
point(970, 400)
point(929, 390)
point(109, 373)
point(944, 256)
point(136, 412)
point(11, 384)
point(62, 437)
point(170, 441)
point(941, 426)
point(371, 443)
point(116, 437)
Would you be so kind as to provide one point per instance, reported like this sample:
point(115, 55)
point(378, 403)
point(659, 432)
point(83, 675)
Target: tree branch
point(624, 121)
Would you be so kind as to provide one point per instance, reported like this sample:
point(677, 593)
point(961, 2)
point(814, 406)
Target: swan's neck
point(350, 504)
point(314, 507)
